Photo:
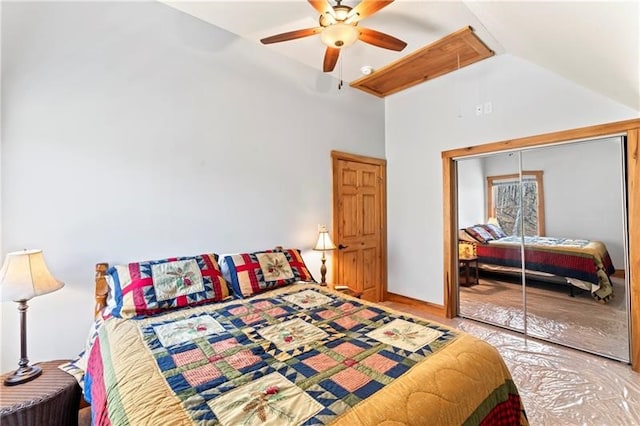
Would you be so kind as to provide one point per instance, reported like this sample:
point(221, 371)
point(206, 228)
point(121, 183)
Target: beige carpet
point(579, 322)
point(559, 386)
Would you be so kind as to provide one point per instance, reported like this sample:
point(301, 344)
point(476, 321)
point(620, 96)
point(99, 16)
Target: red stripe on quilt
point(136, 282)
point(214, 273)
point(99, 411)
point(298, 263)
point(505, 413)
point(136, 286)
point(250, 266)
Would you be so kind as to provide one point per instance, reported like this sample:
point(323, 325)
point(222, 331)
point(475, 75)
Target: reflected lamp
point(24, 275)
point(324, 244)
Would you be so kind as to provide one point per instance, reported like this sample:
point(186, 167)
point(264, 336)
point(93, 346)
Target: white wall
point(424, 120)
point(582, 190)
point(471, 197)
point(133, 131)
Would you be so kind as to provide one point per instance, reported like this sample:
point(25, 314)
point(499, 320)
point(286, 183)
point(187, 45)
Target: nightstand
point(465, 279)
point(51, 399)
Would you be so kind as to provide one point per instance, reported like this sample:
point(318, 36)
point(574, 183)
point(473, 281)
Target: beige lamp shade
point(324, 240)
point(24, 275)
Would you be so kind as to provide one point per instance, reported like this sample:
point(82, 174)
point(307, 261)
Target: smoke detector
point(366, 70)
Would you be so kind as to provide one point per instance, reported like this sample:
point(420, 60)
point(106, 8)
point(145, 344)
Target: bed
point(276, 352)
point(579, 263)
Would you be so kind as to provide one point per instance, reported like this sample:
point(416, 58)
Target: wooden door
point(359, 224)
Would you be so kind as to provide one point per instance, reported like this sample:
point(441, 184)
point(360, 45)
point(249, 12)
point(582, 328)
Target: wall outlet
point(479, 109)
point(488, 107)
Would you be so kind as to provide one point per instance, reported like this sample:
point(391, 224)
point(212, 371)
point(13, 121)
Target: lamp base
point(23, 375)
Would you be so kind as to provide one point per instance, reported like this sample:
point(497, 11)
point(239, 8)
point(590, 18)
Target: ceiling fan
point(339, 28)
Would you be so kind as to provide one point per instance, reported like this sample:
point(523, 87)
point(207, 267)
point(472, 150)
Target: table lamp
point(23, 276)
point(324, 243)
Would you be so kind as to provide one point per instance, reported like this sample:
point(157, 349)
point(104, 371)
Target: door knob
point(341, 247)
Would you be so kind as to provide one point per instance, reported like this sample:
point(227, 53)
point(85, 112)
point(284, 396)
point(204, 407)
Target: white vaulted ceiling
point(595, 44)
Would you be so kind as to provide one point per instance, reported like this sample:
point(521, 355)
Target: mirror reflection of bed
point(567, 200)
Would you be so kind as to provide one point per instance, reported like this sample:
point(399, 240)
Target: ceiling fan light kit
point(340, 35)
point(338, 29)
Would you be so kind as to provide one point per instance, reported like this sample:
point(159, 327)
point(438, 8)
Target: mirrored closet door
point(489, 298)
point(547, 229)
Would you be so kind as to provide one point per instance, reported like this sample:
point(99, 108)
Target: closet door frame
point(628, 128)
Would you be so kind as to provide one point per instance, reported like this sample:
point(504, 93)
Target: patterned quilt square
point(308, 299)
point(188, 357)
point(262, 311)
point(181, 331)
point(271, 400)
point(351, 379)
point(262, 305)
point(367, 314)
point(405, 335)
point(201, 375)
point(224, 345)
point(243, 359)
point(178, 278)
point(292, 334)
point(378, 363)
point(348, 349)
point(326, 314)
point(347, 323)
point(320, 362)
point(346, 307)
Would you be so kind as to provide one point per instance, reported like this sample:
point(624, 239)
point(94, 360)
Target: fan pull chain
point(340, 73)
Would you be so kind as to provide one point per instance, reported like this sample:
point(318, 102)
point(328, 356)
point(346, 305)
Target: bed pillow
point(479, 233)
point(253, 273)
point(464, 236)
point(495, 230)
point(150, 287)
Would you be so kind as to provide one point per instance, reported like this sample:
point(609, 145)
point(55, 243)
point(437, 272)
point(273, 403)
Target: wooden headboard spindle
point(102, 288)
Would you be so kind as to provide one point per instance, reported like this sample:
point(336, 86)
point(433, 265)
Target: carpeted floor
point(559, 386)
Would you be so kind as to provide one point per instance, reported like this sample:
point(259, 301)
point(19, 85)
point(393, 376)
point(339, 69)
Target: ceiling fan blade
point(291, 35)
point(379, 39)
point(367, 8)
point(330, 59)
point(321, 6)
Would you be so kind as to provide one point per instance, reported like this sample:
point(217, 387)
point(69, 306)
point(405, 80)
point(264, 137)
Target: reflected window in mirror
point(504, 202)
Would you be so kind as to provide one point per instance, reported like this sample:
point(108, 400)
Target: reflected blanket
point(296, 355)
point(585, 260)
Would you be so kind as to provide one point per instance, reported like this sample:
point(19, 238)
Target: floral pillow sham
point(146, 288)
point(253, 273)
point(495, 230)
point(479, 233)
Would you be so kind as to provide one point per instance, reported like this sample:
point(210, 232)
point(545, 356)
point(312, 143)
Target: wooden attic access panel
point(431, 61)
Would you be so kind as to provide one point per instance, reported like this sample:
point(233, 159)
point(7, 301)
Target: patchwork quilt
point(585, 260)
point(299, 355)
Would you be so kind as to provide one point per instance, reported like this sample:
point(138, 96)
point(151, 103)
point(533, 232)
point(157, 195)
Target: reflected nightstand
point(466, 279)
